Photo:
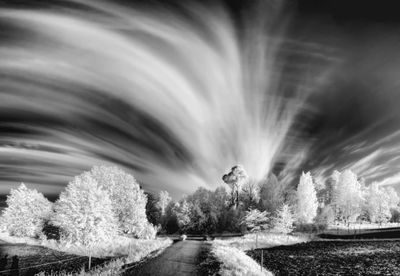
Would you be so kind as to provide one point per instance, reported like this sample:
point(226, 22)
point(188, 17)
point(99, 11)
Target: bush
point(26, 212)
point(395, 215)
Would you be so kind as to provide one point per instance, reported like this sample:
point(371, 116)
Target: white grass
point(236, 263)
point(133, 249)
point(230, 252)
point(112, 268)
point(265, 240)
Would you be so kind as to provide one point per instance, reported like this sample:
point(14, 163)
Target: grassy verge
point(232, 256)
point(209, 263)
point(122, 250)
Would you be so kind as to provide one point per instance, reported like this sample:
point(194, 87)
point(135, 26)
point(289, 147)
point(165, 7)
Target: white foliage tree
point(26, 212)
point(127, 198)
point(163, 200)
point(255, 221)
point(348, 200)
point(284, 220)
point(377, 204)
point(182, 212)
point(393, 198)
point(307, 203)
point(84, 212)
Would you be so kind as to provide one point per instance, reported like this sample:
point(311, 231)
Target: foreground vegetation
point(231, 252)
point(30, 255)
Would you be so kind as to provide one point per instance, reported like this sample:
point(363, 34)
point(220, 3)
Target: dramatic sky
point(177, 93)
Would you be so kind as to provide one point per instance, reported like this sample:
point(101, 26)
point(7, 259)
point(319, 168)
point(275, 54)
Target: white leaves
point(284, 220)
point(256, 220)
point(348, 196)
point(128, 200)
point(84, 212)
point(26, 212)
point(183, 214)
point(307, 203)
point(163, 201)
point(377, 204)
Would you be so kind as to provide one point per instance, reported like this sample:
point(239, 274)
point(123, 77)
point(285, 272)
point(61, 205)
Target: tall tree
point(84, 212)
point(271, 193)
point(394, 199)
point(128, 199)
point(377, 204)
point(163, 200)
point(250, 194)
point(307, 203)
point(236, 178)
point(183, 212)
point(153, 213)
point(26, 212)
point(348, 199)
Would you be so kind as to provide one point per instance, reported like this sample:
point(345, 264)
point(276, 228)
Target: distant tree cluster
point(248, 205)
point(346, 198)
point(96, 206)
point(270, 205)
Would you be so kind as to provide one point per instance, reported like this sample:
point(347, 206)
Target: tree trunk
point(90, 258)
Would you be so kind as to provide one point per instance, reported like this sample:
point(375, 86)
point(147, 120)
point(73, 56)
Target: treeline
point(207, 211)
point(342, 198)
point(96, 206)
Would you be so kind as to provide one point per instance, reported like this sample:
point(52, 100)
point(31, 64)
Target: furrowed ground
point(333, 258)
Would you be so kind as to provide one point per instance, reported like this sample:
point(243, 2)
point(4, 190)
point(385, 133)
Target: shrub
point(26, 212)
point(395, 215)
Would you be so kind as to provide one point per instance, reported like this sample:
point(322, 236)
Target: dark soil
point(384, 233)
point(333, 258)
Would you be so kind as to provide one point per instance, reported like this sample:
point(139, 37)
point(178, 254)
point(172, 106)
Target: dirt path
point(180, 258)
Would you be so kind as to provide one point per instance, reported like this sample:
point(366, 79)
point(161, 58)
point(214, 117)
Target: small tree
point(284, 220)
point(163, 200)
point(26, 212)
point(84, 212)
point(256, 221)
point(307, 203)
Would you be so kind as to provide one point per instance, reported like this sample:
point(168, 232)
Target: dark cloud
point(178, 93)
